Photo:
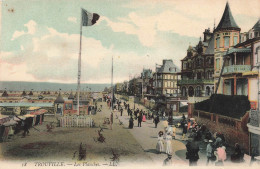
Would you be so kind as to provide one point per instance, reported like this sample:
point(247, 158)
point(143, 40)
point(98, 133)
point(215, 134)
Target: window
point(208, 91)
point(217, 42)
point(184, 93)
point(197, 91)
point(226, 41)
point(235, 40)
point(217, 64)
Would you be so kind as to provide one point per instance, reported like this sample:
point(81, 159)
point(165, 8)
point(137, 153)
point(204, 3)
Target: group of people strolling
point(164, 138)
point(139, 115)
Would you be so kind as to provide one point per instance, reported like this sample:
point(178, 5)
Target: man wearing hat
point(209, 151)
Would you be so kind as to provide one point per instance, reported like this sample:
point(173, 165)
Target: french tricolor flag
point(88, 19)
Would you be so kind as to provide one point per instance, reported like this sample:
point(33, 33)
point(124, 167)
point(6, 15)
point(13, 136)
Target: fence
point(76, 121)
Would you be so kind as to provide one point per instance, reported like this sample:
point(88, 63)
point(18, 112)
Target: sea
point(48, 86)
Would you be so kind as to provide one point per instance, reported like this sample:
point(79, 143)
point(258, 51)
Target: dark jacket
point(192, 151)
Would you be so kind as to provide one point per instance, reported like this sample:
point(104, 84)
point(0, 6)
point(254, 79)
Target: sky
point(40, 38)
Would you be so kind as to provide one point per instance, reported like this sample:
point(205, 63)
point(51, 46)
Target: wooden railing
point(76, 121)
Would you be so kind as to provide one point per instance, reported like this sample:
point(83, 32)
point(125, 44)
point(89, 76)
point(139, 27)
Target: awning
point(29, 115)
point(250, 73)
point(4, 119)
point(10, 123)
point(238, 50)
point(19, 119)
point(39, 112)
point(33, 108)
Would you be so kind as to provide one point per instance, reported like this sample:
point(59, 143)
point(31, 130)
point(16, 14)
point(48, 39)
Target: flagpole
point(79, 64)
point(112, 97)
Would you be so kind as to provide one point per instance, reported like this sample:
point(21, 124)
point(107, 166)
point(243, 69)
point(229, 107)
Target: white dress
point(168, 141)
point(159, 145)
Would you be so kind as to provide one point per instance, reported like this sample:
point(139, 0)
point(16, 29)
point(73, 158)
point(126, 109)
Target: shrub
point(231, 106)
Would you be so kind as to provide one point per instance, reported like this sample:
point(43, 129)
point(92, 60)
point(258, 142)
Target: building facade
point(165, 79)
point(198, 68)
point(226, 35)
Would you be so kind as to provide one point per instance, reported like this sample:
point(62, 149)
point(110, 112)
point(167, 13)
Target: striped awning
point(238, 50)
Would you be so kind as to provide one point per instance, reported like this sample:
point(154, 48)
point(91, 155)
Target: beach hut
point(19, 120)
point(7, 129)
point(3, 119)
point(30, 119)
point(39, 116)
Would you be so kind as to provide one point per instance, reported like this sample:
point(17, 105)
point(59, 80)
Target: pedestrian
point(128, 111)
point(169, 129)
point(168, 161)
point(238, 155)
point(111, 120)
point(183, 118)
point(156, 121)
point(121, 110)
point(140, 120)
point(25, 129)
point(168, 141)
point(131, 123)
point(192, 152)
point(173, 132)
point(189, 124)
point(144, 118)
point(184, 131)
point(164, 115)
point(209, 152)
point(221, 155)
point(159, 145)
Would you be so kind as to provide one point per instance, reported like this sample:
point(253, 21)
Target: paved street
point(147, 138)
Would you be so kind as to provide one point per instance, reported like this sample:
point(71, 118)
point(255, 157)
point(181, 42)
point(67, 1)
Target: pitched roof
point(227, 21)
point(168, 67)
point(256, 27)
point(71, 96)
point(210, 48)
point(5, 94)
point(59, 99)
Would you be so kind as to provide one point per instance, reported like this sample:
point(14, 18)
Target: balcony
point(196, 81)
point(236, 69)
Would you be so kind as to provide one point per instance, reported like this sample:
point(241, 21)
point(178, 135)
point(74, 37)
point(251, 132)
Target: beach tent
point(4, 119)
point(39, 116)
point(8, 129)
point(30, 119)
point(19, 120)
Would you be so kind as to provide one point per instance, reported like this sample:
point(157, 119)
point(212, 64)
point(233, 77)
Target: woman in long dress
point(144, 118)
point(159, 145)
point(168, 140)
point(131, 123)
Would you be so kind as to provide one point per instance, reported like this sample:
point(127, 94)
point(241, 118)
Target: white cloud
point(31, 29)
point(72, 19)
point(186, 18)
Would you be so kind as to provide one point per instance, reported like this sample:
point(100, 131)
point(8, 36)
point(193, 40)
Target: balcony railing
point(197, 81)
point(236, 69)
